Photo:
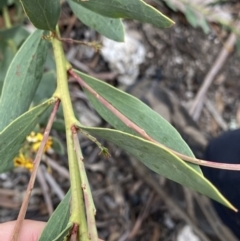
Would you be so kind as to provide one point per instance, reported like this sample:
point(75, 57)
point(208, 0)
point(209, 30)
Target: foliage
point(200, 12)
point(138, 129)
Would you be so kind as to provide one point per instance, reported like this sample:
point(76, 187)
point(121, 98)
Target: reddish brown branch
point(37, 160)
point(97, 46)
point(133, 126)
point(74, 232)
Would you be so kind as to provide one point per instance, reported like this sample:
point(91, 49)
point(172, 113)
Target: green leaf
point(59, 125)
point(8, 33)
point(13, 136)
point(57, 146)
point(16, 33)
point(133, 9)
point(3, 3)
point(10, 40)
point(46, 87)
point(160, 161)
point(50, 62)
point(169, 4)
point(22, 79)
point(11, 2)
point(44, 14)
point(58, 224)
point(109, 27)
point(204, 25)
point(191, 17)
point(64, 233)
point(139, 113)
point(6, 55)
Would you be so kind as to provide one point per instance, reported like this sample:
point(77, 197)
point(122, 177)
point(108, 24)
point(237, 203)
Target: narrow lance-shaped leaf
point(13, 136)
point(16, 33)
point(109, 27)
point(3, 3)
point(133, 9)
point(161, 161)
point(10, 40)
point(43, 14)
point(22, 78)
point(57, 146)
point(7, 54)
point(139, 113)
point(8, 33)
point(46, 87)
point(58, 225)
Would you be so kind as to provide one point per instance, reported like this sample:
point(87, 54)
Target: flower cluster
point(22, 161)
point(29, 150)
point(35, 141)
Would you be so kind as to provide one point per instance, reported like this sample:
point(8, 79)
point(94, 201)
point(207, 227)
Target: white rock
point(186, 234)
point(124, 58)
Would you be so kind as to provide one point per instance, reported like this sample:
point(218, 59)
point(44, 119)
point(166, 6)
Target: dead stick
point(216, 115)
point(37, 160)
point(142, 216)
point(173, 207)
point(45, 190)
point(53, 184)
point(197, 105)
point(141, 132)
point(60, 169)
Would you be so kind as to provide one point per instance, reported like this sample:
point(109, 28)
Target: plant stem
point(74, 232)
point(6, 17)
point(97, 46)
point(8, 25)
point(103, 149)
point(37, 160)
point(89, 203)
point(62, 91)
point(78, 211)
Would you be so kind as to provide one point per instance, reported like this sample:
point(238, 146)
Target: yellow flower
point(22, 161)
point(29, 149)
point(36, 140)
point(33, 138)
